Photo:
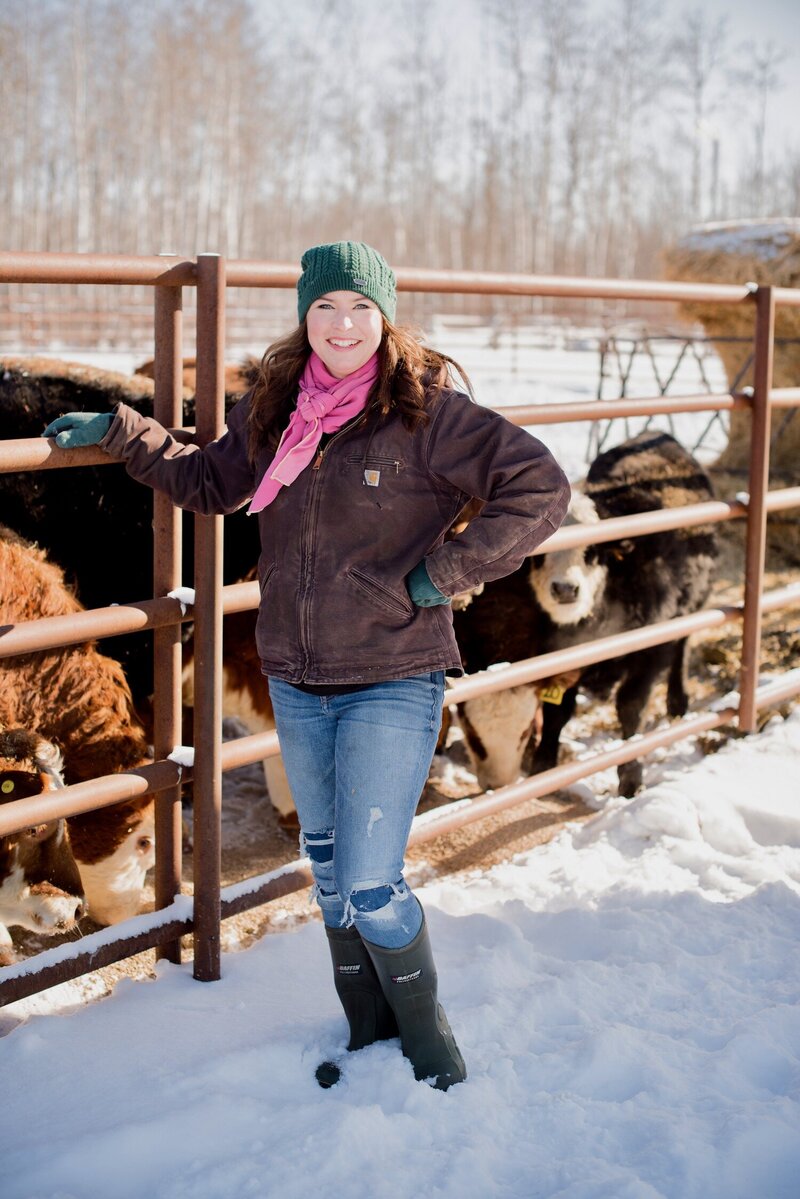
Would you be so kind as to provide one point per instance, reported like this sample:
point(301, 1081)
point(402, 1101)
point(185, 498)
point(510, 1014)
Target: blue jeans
point(357, 764)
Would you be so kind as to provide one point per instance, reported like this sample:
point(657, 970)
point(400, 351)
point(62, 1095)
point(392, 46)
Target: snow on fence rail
point(175, 914)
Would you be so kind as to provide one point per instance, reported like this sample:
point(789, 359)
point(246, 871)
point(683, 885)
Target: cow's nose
point(565, 593)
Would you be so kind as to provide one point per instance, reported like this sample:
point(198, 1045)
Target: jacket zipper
point(351, 427)
point(307, 537)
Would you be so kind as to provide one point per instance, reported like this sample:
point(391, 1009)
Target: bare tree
point(761, 78)
point(698, 60)
point(537, 135)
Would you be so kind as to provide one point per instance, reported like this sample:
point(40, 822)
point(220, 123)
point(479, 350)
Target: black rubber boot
point(369, 1015)
point(408, 978)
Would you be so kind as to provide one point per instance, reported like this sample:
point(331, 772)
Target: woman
point(357, 454)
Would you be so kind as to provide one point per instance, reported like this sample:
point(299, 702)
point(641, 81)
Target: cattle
point(245, 694)
point(558, 600)
point(497, 626)
point(238, 377)
point(78, 699)
point(607, 589)
point(40, 887)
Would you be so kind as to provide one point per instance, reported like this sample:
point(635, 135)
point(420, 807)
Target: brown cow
point(40, 887)
point(245, 694)
point(238, 378)
point(80, 700)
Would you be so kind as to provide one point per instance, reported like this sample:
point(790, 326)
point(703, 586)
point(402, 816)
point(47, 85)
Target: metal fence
point(210, 275)
point(619, 353)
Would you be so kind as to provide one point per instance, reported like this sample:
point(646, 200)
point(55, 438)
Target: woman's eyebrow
point(359, 299)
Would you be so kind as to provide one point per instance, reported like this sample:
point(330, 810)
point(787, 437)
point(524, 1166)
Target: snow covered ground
point(626, 998)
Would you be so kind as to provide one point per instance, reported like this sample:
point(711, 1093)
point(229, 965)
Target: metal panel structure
point(178, 915)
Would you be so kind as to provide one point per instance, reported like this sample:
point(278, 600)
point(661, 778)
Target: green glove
point(79, 428)
point(422, 591)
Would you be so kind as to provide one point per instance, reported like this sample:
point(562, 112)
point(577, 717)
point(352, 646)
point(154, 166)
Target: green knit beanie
point(346, 266)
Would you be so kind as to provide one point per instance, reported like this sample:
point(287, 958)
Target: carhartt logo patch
point(372, 478)
point(355, 969)
point(406, 978)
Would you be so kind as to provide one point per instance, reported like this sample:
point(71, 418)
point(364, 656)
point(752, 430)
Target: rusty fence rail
point(176, 914)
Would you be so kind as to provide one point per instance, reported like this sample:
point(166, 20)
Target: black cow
point(609, 588)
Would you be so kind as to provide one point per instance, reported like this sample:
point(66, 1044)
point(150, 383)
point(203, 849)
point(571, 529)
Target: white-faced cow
point(40, 887)
point(563, 599)
point(78, 699)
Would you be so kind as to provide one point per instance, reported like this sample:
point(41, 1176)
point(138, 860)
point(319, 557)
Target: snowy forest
point(524, 135)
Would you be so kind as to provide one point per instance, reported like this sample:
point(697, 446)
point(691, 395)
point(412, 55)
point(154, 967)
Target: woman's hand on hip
point(423, 592)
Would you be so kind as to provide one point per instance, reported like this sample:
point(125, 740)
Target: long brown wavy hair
point(411, 374)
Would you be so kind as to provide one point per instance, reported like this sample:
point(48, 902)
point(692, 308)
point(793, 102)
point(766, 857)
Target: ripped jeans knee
point(387, 914)
point(318, 846)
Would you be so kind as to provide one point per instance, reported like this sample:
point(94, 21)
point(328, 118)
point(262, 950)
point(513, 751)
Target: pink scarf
point(325, 404)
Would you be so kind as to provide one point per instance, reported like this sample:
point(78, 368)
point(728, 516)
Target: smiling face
point(344, 329)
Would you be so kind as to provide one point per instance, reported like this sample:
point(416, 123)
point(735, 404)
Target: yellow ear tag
point(552, 694)
point(7, 786)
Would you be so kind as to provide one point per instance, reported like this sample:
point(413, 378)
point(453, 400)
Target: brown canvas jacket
point(337, 544)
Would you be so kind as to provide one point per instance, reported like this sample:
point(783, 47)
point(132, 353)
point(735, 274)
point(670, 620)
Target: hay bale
point(761, 251)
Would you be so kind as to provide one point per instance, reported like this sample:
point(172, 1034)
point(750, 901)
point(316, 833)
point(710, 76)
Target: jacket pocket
point(376, 462)
point(387, 599)
point(375, 470)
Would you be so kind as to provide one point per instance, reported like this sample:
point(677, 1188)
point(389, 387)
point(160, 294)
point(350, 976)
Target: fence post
point(208, 631)
point(168, 410)
point(756, 539)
